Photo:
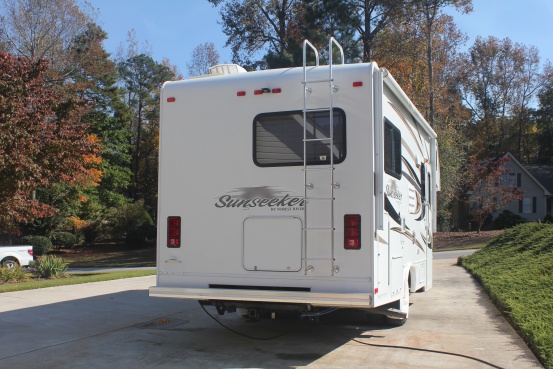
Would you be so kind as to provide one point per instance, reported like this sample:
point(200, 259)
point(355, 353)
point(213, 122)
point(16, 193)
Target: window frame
point(300, 162)
point(528, 205)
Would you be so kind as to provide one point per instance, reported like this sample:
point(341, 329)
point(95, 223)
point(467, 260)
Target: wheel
point(9, 263)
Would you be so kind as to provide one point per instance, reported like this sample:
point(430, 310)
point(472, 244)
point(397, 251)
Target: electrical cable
point(356, 340)
point(243, 334)
point(309, 315)
point(422, 350)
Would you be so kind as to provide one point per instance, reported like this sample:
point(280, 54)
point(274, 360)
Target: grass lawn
point(516, 270)
point(98, 256)
point(73, 279)
point(109, 256)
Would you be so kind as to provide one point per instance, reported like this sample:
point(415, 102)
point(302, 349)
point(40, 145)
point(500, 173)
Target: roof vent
point(226, 69)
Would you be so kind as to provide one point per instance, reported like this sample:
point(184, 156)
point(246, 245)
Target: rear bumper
point(342, 300)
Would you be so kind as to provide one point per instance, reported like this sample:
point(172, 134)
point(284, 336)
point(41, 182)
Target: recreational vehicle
point(303, 189)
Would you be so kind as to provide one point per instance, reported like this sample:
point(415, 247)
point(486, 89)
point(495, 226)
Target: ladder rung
point(317, 259)
point(319, 198)
point(315, 110)
point(318, 139)
point(317, 81)
point(320, 229)
point(313, 169)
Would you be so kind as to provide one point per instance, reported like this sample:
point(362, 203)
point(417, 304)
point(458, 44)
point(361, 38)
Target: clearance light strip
point(261, 91)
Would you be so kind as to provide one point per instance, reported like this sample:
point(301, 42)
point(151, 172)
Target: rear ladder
point(309, 167)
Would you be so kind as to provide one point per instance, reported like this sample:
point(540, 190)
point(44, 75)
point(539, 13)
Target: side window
point(392, 149)
point(278, 138)
point(423, 182)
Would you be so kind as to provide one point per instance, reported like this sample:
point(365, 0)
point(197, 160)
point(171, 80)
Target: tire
point(9, 262)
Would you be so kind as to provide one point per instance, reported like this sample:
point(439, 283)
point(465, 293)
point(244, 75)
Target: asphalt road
point(115, 324)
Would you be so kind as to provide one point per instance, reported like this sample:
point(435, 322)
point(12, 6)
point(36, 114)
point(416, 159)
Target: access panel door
point(272, 244)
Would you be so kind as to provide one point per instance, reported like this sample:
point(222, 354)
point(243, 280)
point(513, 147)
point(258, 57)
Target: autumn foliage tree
point(42, 141)
point(486, 191)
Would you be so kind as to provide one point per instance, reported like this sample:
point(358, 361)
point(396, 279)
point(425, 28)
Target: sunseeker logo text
point(261, 197)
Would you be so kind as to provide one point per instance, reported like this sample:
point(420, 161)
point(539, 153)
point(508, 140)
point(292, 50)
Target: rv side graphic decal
point(265, 196)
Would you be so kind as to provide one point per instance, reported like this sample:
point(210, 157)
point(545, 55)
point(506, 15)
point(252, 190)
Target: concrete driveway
point(116, 325)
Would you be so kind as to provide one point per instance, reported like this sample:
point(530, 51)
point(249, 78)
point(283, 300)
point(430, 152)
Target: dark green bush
point(50, 266)
point(548, 218)
point(142, 235)
point(92, 232)
point(133, 224)
point(61, 240)
point(508, 219)
point(41, 244)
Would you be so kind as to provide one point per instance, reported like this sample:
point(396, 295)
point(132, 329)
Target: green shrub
point(133, 224)
point(92, 232)
point(16, 274)
point(50, 266)
point(61, 240)
point(41, 244)
point(141, 235)
point(508, 219)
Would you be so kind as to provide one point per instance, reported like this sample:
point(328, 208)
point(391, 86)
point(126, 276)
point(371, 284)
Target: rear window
point(278, 138)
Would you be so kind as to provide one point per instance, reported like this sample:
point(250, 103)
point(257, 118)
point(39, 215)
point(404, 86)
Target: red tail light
point(352, 231)
point(30, 251)
point(173, 231)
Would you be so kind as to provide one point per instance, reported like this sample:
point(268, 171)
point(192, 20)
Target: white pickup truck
point(11, 256)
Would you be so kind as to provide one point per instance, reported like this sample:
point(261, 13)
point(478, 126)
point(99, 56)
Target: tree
point(430, 11)
point(485, 189)
point(354, 23)
point(330, 18)
point(37, 29)
point(544, 117)
point(42, 141)
point(204, 56)
point(499, 81)
point(108, 118)
point(453, 157)
point(262, 26)
point(529, 82)
point(142, 78)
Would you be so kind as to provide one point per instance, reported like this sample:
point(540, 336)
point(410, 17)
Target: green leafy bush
point(64, 240)
point(16, 274)
point(133, 224)
point(92, 232)
point(41, 244)
point(50, 266)
point(508, 219)
point(141, 235)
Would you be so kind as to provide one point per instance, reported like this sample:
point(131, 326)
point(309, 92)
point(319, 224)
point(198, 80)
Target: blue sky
point(174, 27)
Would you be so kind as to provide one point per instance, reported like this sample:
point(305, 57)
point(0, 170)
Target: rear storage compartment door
point(272, 244)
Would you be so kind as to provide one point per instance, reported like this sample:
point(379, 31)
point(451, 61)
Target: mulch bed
point(455, 239)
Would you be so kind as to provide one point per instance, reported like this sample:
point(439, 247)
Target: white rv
point(295, 189)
